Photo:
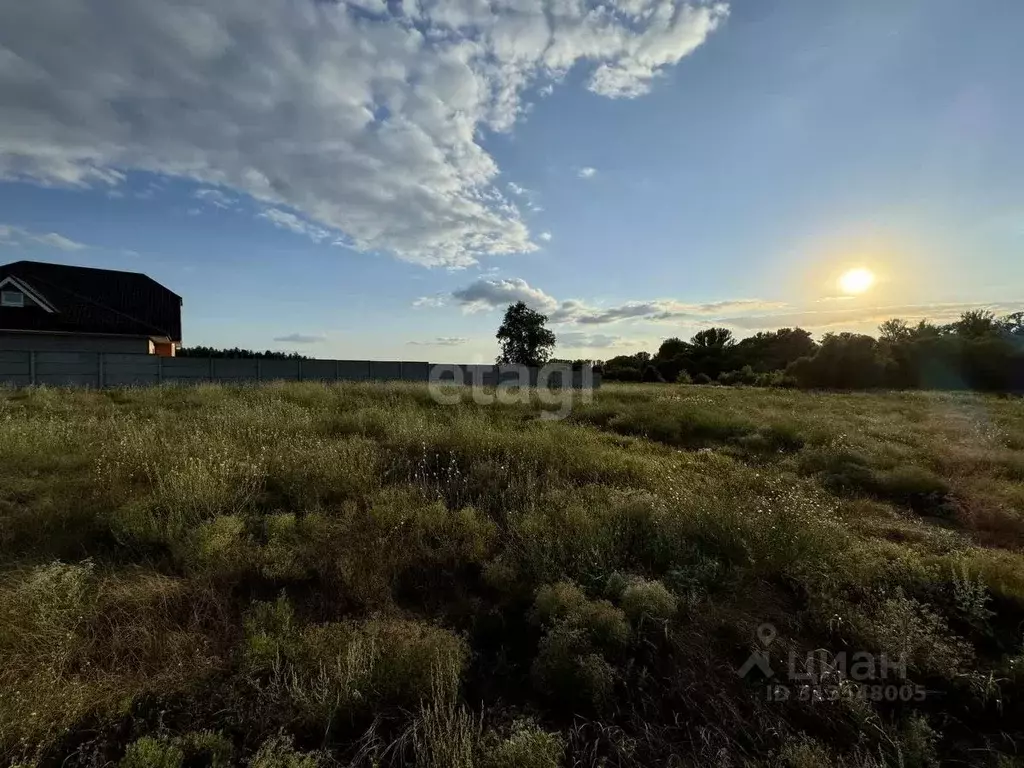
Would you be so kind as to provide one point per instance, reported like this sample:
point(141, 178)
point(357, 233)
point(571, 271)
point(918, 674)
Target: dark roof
point(89, 300)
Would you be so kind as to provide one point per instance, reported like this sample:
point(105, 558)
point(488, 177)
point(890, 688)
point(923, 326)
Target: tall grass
point(307, 574)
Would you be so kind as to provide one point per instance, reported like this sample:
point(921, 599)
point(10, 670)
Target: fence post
point(211, 369)
point(300, 369)
point(259, 369)
point(337, 370)
point(32, 367)
point(99, 371)
point(160, 369)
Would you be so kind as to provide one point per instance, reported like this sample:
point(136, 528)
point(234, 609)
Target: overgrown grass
point(309, 575)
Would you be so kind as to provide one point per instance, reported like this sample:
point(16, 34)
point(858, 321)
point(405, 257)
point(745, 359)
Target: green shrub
point(325, 669)
point(917, 743)
point(270, 635)
point(527, 746)
point(915, 487)
point(902, 628)
point(209, 747)
point(558, 601)
point(567, 669)
point(149, 752)
point(647, 599)
point(564, 604)
point(278, 752)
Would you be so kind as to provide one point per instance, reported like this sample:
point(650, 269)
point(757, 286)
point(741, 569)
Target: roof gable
point(90, 300)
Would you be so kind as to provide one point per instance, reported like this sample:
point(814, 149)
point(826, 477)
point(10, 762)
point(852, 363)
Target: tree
point(713, 338)
point(238, 353)
point(672, 358)
point(524, 337)
point(895, 331)
point(976, 324)
point(1013, 325)
point(773, 350)
point(711, 352)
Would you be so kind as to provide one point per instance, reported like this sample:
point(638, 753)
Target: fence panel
point(185, 370)
point(16, 368)
point(319, 370)
point(353, 370)
point(272, 370)
point(79, 369)
point(230, 369)
point(385, 370)
point(113, 369)
point(123, 370)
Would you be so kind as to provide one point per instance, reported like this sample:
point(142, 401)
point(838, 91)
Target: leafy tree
point(672, 358)
point(711, 352)
point(844, 361)
point(713, 338)
point(524, 337)
point(626, 367)
point(1013, 325)
point(238, 353)
point(975, 324)
point(895, 330)
point(773, 350)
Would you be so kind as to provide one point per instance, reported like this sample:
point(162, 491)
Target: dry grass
point(303, 575)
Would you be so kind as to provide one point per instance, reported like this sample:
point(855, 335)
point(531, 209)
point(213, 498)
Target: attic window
point(12, 299)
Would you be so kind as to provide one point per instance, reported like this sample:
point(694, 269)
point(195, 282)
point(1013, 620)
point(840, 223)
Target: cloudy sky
point(379, 178)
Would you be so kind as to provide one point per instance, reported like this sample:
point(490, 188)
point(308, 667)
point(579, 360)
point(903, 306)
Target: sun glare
point(856, 281)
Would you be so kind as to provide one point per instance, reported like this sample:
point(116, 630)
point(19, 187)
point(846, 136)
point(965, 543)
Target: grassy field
point(301, 575)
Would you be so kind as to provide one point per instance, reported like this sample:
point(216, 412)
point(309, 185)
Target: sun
point(856, 281)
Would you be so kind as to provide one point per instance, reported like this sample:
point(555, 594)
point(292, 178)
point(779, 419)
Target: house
point(53, 307)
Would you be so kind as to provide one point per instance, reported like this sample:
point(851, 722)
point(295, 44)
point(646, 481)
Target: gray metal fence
point(110, 369)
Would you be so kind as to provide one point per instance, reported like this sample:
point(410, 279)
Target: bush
point(702, 378)
point(205, 747)
point(684, 377)
point(564, 604)
point(647, 599)
point(902, 628)
point(326, 669)
point(916, 487)
point(278, 752)
point(567, 669)
point(527, 746)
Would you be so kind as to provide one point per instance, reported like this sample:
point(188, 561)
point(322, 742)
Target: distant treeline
point(236, 352)
point(979, 351)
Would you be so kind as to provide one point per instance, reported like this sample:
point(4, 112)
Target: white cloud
point(215, 197)
point(497, 293)
point(487, 294)
point(441, 341)
point(362, 117)
point(658, 310)
point(517, 190)
point(438, 300)
point(545, 236)
point(291, 222)
point(17, 236)
point(587, 173)
point(577, 340)
point(862, 315)
point(300, 338)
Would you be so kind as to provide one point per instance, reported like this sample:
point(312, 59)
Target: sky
point(381, 178)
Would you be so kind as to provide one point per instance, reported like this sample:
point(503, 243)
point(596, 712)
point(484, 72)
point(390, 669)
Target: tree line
point(979, 351)
point(238, 353)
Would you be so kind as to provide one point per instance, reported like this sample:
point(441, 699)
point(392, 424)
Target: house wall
point(117, 369)
point(69, 342)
